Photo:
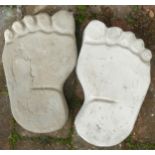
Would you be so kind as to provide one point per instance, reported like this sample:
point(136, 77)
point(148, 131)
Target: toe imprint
point(97, 33)
point(62, 22)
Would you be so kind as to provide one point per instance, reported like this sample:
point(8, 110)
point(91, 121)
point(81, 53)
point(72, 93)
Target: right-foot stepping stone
point(114, 70)
point(39, 55)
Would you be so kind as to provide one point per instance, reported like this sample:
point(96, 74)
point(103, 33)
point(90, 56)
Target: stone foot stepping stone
point(39, 55)
point(114, 70)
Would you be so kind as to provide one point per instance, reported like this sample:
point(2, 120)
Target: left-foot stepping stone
point(39, 55)
point(114, 70)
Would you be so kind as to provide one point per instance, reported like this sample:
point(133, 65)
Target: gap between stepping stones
point(39, 54)
point(114, 70)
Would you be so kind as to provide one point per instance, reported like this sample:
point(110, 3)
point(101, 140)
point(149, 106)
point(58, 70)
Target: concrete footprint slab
point(114, 70)
point(39, 54)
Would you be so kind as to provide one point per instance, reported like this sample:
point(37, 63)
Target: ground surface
point(140, 20)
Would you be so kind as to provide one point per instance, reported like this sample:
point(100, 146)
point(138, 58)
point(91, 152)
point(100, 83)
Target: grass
point(14, 136)
point(135, 8)
point(130, 144)
point(4, 93)
point(43, 140)
point(13, 139)
point(81, 13)
point(131, 18)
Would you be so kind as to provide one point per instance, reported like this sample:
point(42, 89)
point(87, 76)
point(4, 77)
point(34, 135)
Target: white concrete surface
point(114, 70)
point(39, 55)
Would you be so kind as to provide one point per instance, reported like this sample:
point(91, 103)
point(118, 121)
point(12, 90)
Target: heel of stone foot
point(96, 32)
point(61, 22)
